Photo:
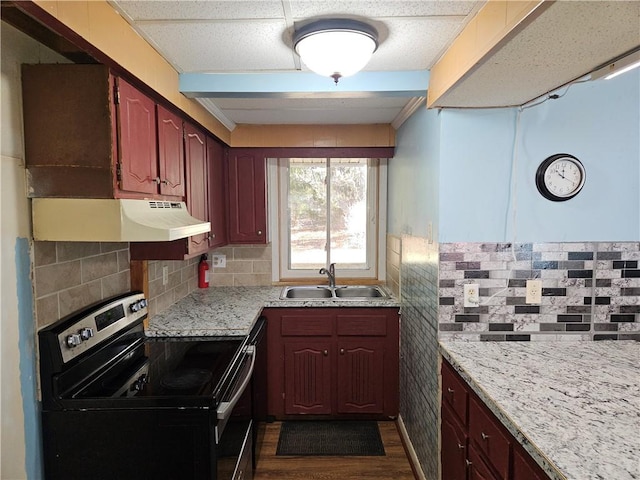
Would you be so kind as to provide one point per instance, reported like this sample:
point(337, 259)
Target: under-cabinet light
point(618, 67)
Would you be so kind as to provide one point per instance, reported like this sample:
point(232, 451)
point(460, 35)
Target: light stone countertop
point(232, 311)
point(575, 406)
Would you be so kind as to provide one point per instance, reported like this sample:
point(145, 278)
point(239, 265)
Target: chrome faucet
point(331, 273)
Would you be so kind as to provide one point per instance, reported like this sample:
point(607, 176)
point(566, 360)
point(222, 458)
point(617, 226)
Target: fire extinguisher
point(203, 272)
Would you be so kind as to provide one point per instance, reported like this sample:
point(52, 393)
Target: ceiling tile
point(222, 46)
point(201, 10)
point(414, 43)
point(301, 9)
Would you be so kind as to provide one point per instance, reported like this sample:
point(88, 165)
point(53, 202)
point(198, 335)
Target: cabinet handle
point(157, 180)
point(468, 462)
point(259, 232)
point(213, 235)
point(342, 351)
point(460, 446)
point(484, 435)
point(450, 390)
point(326, 353)
point(164, 182)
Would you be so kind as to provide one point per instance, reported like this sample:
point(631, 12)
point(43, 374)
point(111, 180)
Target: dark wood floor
point(394, 465)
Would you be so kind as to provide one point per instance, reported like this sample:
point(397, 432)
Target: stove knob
point(140, 382)
point(134, 307)
point(143, 303)
point(73, 340)
point(86, 333)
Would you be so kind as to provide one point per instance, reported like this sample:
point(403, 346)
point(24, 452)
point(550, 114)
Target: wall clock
point(560, 177)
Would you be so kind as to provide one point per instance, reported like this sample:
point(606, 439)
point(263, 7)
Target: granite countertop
point(575, 406)
point(232, 311)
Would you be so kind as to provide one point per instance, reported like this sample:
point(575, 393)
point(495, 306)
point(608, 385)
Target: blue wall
point(413, 182)
point(472, 152)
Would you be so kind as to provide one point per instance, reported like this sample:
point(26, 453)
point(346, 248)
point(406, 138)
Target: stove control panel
point(100, 324)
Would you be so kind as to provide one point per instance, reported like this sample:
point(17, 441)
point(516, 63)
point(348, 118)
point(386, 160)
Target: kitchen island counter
point(574, 406)
point(232, 311)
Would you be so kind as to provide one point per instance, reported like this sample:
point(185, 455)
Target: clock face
point(560, 177)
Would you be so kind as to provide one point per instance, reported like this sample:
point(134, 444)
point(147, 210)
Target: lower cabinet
point(335, 362)
point(474, 444)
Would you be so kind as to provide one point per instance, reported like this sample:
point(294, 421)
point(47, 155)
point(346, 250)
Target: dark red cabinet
point(307, 370)
point(95, 135)
point(138, 155)
point(198, 180)
point(454, 447)
point(333, 361)
point(475, 445)
point(217, 194)
point(170, 153)
point(247, 195)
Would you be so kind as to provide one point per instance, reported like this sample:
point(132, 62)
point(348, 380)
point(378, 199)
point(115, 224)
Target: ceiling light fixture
point(336, 48)
point(618, 67)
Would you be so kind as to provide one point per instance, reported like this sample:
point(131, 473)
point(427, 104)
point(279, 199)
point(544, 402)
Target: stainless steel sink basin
point(321, 292)
point(350, 292)
point(306, 292)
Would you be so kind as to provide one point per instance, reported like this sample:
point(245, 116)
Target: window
point(328, 211)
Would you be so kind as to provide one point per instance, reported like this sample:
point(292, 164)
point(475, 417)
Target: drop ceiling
point(249, 37)
point(568, 40)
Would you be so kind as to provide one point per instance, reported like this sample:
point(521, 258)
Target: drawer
point(489, 437)
point(454, 392)
point(306, 325)
point(362, 325)
point(525, 468)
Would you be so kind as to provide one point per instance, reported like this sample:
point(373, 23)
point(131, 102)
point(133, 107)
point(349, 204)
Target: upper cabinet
point(89, 134)
point(195, 148)
point(217, 194)
point(171, 161)
point(247, 176)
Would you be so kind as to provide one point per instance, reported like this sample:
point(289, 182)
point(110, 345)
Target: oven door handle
point(225, 408)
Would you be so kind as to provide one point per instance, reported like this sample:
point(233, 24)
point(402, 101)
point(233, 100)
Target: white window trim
point(277, 211)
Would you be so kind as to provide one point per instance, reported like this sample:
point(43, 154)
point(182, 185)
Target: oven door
point(234, 429)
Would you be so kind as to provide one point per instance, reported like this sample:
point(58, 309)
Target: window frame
point(376, 225)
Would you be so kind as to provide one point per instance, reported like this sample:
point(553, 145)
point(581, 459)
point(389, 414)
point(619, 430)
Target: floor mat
point(336, 438)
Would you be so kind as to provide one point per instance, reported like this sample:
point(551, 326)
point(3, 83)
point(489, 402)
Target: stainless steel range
point(118, 405)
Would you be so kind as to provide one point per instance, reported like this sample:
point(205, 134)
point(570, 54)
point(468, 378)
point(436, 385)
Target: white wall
point(20, 440)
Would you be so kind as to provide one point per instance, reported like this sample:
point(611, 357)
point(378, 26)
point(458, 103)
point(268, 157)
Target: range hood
point(107, 220)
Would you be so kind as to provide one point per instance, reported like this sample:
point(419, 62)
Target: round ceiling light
point(336, 47)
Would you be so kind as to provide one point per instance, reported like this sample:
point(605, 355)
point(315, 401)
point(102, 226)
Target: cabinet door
point(247, 196)
point(170, 153)
point(360, 376)
point(489, 437)
point(197, 181)
point(524, 467)
point(138, 158)
point(307, 376)
point(217, 194)
point(477, 468)
point(454, 447)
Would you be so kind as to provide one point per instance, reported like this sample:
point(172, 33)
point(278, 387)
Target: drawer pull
point(484, 436)
point(450, 390)
point(342, 351)
point(325, 352)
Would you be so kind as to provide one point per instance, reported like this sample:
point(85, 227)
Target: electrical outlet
point(218, 261)
point(534, 292)
point(471, 295)
point(165, 275)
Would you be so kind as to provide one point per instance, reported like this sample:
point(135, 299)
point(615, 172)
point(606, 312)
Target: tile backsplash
point(71, 275)
point(590, 291)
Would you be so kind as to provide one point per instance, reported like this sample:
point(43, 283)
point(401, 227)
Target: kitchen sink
point(306, 292)
point(322, 292)
point(366, 292)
